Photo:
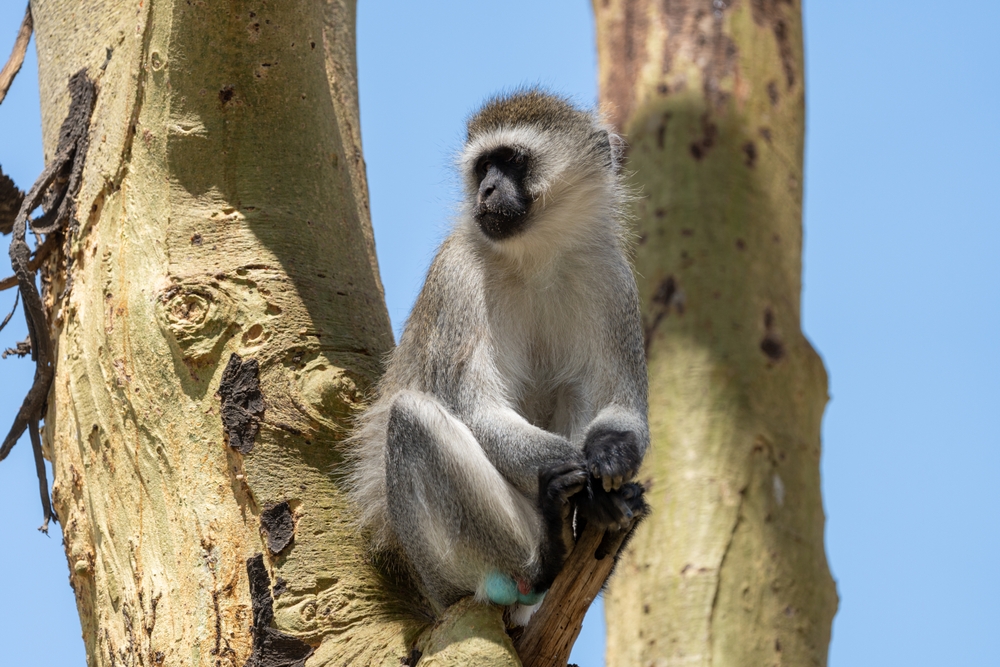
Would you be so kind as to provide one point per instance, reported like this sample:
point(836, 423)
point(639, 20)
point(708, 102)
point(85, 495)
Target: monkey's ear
point(615, 147)
point(618, 147)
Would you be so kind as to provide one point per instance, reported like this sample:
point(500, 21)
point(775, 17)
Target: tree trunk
point(223, 209)
point(730, 568)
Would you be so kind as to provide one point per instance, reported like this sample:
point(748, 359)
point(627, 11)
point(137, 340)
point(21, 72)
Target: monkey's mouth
point(500, 223)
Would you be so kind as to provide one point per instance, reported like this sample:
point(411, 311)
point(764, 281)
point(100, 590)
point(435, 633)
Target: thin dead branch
point(41, 254)
point(16, 59)
point(17, 297)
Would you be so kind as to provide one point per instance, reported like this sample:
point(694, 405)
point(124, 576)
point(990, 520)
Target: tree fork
point(730, 568)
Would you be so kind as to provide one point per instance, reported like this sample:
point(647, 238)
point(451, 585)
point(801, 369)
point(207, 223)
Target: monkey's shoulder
point(451, 298)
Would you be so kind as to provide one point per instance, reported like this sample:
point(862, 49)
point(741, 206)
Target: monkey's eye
point(519, 159)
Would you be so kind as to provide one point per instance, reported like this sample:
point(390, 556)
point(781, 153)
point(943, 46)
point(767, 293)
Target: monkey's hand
point(557, 484)
point(613, 456)
point(618, 509)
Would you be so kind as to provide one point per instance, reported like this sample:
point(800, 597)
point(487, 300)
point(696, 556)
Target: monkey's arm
point(617, 438)
point(517, 449)
point(448, 350)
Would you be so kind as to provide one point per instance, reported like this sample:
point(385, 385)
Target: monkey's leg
point(463, 527)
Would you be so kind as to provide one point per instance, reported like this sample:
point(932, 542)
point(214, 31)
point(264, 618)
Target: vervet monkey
point(515, 403)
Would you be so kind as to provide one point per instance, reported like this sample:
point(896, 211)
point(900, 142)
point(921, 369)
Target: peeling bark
point(730, 567)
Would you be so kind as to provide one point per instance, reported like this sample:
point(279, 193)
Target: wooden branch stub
point(549, 637)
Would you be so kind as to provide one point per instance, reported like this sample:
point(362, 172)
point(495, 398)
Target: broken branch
point(16, 59)
point(549, 637)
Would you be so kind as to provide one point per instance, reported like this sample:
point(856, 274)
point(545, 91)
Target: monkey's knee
point(416, 429)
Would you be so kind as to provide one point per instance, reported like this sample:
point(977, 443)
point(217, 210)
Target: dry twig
point(16, 59)
point(41, 254)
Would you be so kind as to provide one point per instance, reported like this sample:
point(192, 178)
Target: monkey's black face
point(502, 204)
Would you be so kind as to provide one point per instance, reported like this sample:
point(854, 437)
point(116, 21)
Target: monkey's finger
point(573, 484)
point(625, 511)
point(606, 481)
point(616, 482)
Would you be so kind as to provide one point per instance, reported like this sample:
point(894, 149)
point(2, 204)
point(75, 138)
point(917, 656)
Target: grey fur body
point(521, 356)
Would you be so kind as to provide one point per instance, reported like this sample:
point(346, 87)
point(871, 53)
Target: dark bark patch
point(412, 659)
point(709, 132)
point(279, 526)
point(271, 647)
point(242, 402)
point(750, 154)
point(10, 202)
point(765, 134)
point(741, 244)
point(667, 295)
point(661, 131)
point(280, 586)
point(665, 292)
point(785, 51)
point(771, 344)
point(770, 13)
point(772, 347)
point(772, 92)
point(225, 95)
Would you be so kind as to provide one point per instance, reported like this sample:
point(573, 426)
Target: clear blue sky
point(901, 291)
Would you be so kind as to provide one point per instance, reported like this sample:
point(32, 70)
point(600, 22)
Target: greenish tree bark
point(223, 210)
point(730, 568)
